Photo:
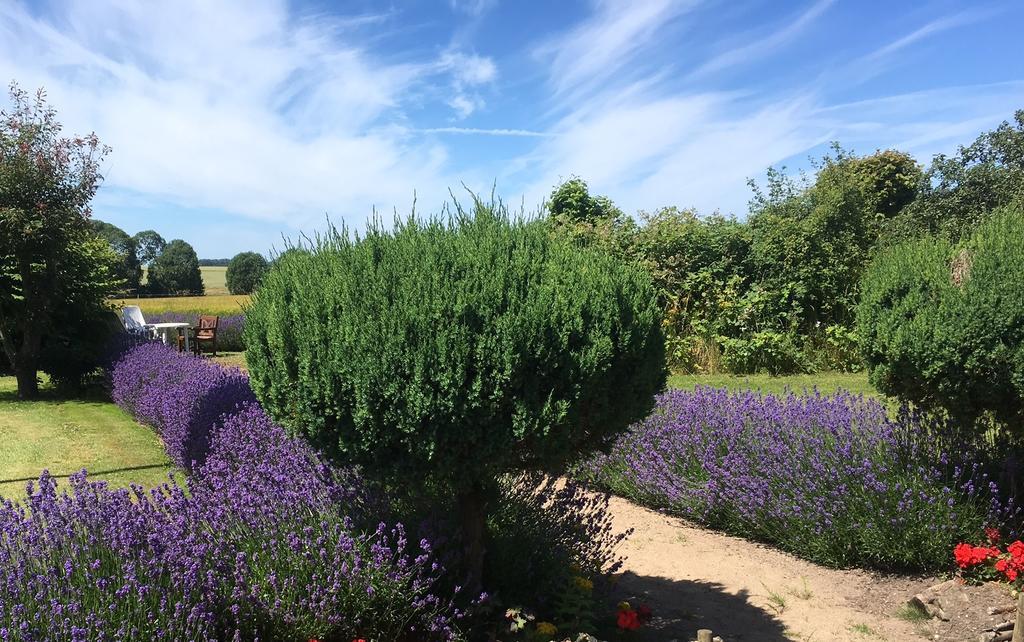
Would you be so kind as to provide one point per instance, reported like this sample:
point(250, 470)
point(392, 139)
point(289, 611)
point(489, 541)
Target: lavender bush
point(179, 395)
point(229, 327)
point(830, 478)
point(255, 547)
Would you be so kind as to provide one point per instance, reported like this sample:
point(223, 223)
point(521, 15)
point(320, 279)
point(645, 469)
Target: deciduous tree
point(46, 184)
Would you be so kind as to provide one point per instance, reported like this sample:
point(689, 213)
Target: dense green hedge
point(457, 348)
point(942, 325)
point(450, 351)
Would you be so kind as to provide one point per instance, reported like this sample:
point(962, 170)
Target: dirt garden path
point(695, 578)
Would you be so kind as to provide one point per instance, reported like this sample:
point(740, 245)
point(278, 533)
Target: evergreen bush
point(454, 350)
point(942, 325)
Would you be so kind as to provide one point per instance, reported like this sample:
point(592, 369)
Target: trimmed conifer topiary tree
point(453, 350)
point(942, 324)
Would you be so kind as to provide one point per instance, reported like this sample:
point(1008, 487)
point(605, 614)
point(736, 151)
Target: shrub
point(943, 325)
point(245, 271)
point(541, 534)
point(255, 547)
point(175, 271)
point(230, 328)
point(960, 191)
point(831, 479)
point(455, 351)
point(180, 395)
point(74, 353)
point(771, 352)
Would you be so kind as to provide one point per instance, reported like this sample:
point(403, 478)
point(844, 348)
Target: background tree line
point(170, 268)
point(779, 291)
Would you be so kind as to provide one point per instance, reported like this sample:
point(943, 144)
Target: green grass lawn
point(232, 359)
point(66, 435)
point(826, 382)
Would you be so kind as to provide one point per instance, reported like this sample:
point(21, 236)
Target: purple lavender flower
point(261, 543)
point(179, 395)
point(831, 478)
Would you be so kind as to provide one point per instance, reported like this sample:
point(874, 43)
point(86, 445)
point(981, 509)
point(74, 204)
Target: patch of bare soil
point(698, 579)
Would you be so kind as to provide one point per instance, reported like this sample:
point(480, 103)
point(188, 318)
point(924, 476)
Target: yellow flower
point(583, 584)
point(546, 628)
point(624, 606)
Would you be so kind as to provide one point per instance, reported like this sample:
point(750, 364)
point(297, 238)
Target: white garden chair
point(134, 322)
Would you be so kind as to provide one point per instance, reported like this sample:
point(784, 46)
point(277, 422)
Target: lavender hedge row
point(179, 395)
point(229, 327)
point(830, 478)
point(256, 546)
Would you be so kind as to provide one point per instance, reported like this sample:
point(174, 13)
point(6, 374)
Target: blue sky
point(235, 123)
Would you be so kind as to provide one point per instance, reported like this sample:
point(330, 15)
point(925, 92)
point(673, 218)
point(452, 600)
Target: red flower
point(1016, 550)
point(968, 556)
point(992, 533)
point(628, 620)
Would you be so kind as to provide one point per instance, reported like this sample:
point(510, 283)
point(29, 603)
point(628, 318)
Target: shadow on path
point(93, 474)
point(683, 606)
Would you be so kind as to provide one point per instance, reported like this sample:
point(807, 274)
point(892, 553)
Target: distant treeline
point(214, 262)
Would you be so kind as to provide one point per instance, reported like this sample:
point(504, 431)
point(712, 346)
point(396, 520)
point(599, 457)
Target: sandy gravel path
point(695, 578)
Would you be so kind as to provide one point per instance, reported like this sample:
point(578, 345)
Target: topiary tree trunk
point(473, 523)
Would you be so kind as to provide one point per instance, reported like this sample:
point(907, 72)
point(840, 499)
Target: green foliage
point(245, 271)
point(810, 245)
point(959, 191)
point(176, 271)
point(46, 184)
point(571, 201)
point(700, 267)
point(129, 268)
point(149, 245)
point(457, 349)
point(942, 325)
point(771, 352)
point(889, 180)
point(589, 220)
point(544, 533)
point(84, 324)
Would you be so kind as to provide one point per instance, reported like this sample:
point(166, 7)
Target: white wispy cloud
point(468, 72)
point(248, 107)
point(238, 106)
point(760, 47)
point(927, 30)
point(649, 140)
point(607, 43)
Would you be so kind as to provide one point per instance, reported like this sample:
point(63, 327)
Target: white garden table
point(165, 332)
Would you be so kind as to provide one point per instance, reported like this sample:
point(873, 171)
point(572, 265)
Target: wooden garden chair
point(205, 332)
